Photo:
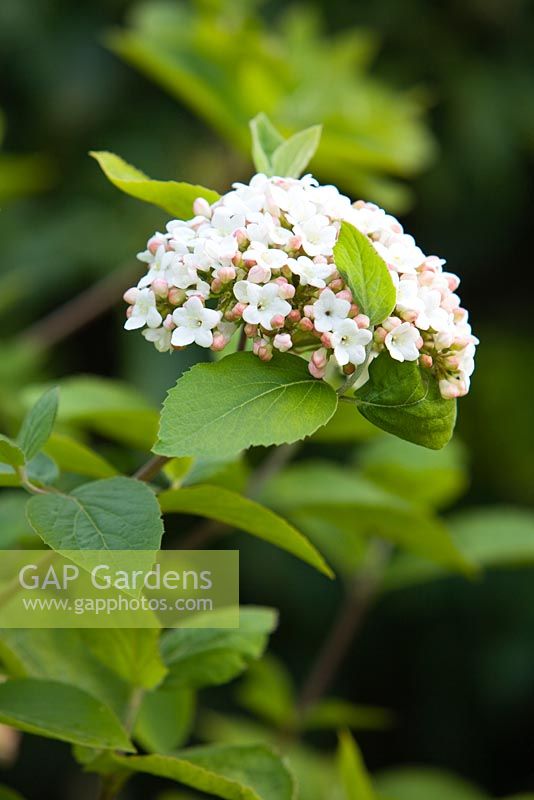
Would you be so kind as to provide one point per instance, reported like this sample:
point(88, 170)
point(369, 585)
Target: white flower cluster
point(261, 258)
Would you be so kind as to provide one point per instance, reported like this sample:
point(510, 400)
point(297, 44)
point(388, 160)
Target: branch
point(349, 621)
point(151, 468)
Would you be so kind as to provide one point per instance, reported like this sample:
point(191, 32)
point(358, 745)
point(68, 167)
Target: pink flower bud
point(219, 342)
point(176, 296)
point(380, 335)
point(306, 325)
point(237, 310)
point(265, 353)
point(259, 274)
point(320, 358)
point(129, 312)
point(283, 342)
point(251, 330)
point(362, 320)
point(308, 311)
point(202, 208)
point(241, 238)
point(287, 291)
point(294, 316)
point(226, 274)
point(315, 371)
point(154, 243)
point(453, 281)
point(426, 361)
point(409, 316)
point(326, 339)
point(281, 281)
point(277, 321)
point(160, 287)
point(345, 294)
point(295, 243)
point(336, 285)
point(390, 323)
point(130, 295)
point(216, 285)
point(419, 343)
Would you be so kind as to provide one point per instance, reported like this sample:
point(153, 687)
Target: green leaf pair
point(23, 457)
point(274, 155)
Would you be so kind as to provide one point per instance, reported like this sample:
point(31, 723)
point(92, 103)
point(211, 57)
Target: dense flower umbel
point(261, 258)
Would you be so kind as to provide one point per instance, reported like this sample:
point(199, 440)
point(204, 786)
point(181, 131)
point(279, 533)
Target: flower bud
point(283, 342)
point(320, 358)
point(345, 294)
point(380, 335)
point(130, 295)
point(326, 339)
point(154, 243)
point(426, 361)
point(287, 291)
point(315, 371)
point(294, 316)
point(202, 208)
point(176, 296)
point(306, 325)
point(259, 274)
point(219, 342)
point(390, 323)
point(308, 311)
point(336, 285)
point(349, 369)
point(226, 274)
point(251, 330)
point(362, 320)
point(168, 323)
point(277, 321)
point(160, 287)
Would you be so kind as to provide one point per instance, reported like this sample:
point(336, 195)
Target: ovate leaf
point(230, 508)
point(265, 140)
point(291, 158)
point(38, 423)
point(112, 514)
point(73, 456)
point(403, 399)
point(165, 719)
point(58, 711)
point(175, 197)
point(10, 452)
point(209, 657)
point(132, 653)
point(234, 772)
point(218, 409)
point(355, 781)
point(365, 272)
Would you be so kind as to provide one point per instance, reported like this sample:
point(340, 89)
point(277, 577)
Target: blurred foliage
point(201, 53)
point(21, 175)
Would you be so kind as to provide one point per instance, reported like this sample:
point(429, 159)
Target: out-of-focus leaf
point(355, 780)
point(132, 653)
point(10, 452)
point(247, 772)
point(434, 478)
point(14, 527)
point(58, 711)
point(291, 157)
point(267, 691)
point(165, 719)
point(265, 140)
point(346, 427)
point(335, 714)
point(176, 198)
point(73, 456)
point(230, 508)
point(424, 783)
point(209, 657)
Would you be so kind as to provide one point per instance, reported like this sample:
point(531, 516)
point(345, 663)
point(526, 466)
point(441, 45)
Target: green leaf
point(230, 508)
point(409, 783)
point(73, 456)
point(291, 158)
point(342, 497)
point(346, 427)
point(333, 714)
point(209, 657)
point(365, 272)
point(221, 408)
point(246, 772)
point(403, 399)
point(63, 712)
point(48, 653)
point(38, 423)
point(165, 720)
point(111, 514)
point(355, 779)
point(14, 527)
point(267, 691)
point(132, 653)
point(176, 198)
point(10, 452)
point(433, 478)
point(265, 140)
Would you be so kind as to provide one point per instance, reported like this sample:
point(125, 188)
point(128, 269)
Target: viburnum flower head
point(261, 259)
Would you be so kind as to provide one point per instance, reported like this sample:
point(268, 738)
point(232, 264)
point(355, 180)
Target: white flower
point(329, 311)
point(310, 272)
point(318, 236)
point(267, 259)
point(401, 342)
point(224, 222)
point(263, 229)
point(432, 315)
point(283, 342)
point(402, 254)
point(263, 302)
point(194, 323)
point(144, 311)
point(160, 338)
point(349, 342)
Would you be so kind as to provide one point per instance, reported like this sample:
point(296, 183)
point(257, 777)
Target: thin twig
point(350, 619)
point(151, 468)
point(81, 310)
